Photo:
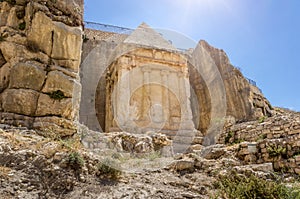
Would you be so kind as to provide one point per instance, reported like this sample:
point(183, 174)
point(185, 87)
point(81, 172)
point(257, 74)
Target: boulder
point(24, 75)
point(20, 101)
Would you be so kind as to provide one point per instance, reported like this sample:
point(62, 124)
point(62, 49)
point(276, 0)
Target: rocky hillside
point(35, 166)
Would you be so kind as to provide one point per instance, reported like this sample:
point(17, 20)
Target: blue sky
point(262, 37)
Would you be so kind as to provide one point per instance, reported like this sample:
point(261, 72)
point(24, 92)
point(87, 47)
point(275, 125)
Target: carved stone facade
point(148, 90)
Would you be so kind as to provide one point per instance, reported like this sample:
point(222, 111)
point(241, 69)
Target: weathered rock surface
point(27, 76)
point(63, 107)
point(41, 33)
point(40, 52)
point(55, 38)
point(20, 101)
point(57, 80)
point(32, 166)
point(242, 100)
point(55, 126)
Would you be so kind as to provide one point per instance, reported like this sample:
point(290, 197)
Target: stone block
point(69, 64)
point(41, 32)
point(67, 42)
point(59, 81)
point(24, 75)
point(47, 106)
point(20, 101)
point(15, 53)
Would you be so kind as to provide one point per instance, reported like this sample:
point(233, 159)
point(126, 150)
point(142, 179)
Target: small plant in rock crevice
point(262, 119)
point(229, 135)
point(57, 95)
point(108, 168)
point(276, 150)
point(22, 26)
point(75, 161)
point(261, 137)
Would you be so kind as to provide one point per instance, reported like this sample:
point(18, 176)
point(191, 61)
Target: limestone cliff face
point(40, 51)
point(243, 101)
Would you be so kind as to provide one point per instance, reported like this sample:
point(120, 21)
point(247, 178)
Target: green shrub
point(75, 161)
point(108, 168)
point(276, 150)
point(262, 119)
point(228, 137)
point(238, 186)
point(261, 137)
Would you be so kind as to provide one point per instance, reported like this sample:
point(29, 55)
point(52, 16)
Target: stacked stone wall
point(40, 52)
point(275, 139)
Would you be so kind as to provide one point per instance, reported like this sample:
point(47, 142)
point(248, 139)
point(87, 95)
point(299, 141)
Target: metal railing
point(107, 28)
point(252, 82)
